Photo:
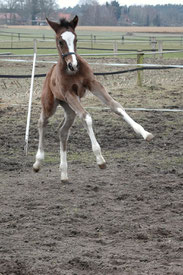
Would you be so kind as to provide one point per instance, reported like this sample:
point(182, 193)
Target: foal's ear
point(55, 26)
point(74, 22)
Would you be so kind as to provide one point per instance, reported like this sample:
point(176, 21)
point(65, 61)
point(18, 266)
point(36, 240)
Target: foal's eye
point(61, 43)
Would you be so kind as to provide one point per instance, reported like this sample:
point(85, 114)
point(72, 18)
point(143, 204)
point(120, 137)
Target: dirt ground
point(126, 219)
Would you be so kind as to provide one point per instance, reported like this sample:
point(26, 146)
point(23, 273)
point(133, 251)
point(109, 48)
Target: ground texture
point(126, 219)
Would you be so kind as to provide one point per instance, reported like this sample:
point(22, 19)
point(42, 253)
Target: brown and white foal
point(65, 84)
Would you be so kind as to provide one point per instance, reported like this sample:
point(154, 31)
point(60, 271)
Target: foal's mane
point(64, 23)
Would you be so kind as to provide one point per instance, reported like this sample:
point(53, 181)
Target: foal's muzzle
point(72, 66)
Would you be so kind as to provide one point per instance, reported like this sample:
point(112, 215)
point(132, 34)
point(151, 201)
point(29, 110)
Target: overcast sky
point(72, 3)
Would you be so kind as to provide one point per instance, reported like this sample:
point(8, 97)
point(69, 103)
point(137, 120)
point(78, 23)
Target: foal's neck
point(62, 64)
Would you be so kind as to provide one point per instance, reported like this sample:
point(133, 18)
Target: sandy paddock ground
point(126, 219)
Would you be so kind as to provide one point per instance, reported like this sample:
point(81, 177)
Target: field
point(163, 30)
point(94, 39)
point(126, 219)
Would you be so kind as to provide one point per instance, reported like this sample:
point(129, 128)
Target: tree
point(47, 7)
point(156, 21)
point(34, 11)
point(147, 20)
point(117, 9)
point(29, 9)
point(87, 2)
point(11, 7)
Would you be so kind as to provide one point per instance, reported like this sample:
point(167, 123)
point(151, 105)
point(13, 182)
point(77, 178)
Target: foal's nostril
point(70, 67)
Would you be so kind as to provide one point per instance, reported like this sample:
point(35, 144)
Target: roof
point(8, 15)
point(64, 15)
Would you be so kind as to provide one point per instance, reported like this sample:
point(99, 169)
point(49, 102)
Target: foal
point(65, 84)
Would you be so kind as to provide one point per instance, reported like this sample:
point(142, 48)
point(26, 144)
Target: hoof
point(102, 166)
point(36, 170)
point(149, 137)
point(66, 181)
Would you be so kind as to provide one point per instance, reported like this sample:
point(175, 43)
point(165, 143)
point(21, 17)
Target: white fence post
point(30, 99)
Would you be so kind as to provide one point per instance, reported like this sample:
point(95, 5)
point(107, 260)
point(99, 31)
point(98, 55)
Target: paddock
point(126, 219)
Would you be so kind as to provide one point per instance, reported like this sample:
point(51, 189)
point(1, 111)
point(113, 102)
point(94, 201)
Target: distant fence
point(85, 48)
point(155, 42)
point(139, 67)
point(135, 53)
point(138, 54)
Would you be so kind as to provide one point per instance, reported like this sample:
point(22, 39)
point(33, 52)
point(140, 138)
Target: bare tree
point(87, 2)
point(29, 9)
point(47, 7)
point(10, 4)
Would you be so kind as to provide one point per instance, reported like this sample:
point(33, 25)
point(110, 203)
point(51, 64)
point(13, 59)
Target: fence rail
point(97, 54)
point(93, 42)
point(99, 64)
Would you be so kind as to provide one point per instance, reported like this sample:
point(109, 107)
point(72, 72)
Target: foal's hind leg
point(42, 122)
point(74, 103)
point(98, 90)
point(64, 134)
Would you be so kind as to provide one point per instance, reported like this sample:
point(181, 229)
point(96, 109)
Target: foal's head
point(66, 40)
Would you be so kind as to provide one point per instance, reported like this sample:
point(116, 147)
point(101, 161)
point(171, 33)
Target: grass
point(137, 41)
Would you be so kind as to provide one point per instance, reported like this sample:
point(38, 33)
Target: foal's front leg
point(42, 122)
point(76, 106)
point(69, 117)
point(98, 90)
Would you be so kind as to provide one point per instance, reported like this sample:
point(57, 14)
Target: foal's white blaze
point(69, 38)
point(136, 127)
point(95, 146)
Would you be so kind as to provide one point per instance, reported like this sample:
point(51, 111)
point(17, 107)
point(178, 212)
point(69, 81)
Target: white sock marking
point(95, 146)
point(39, 159)
point(63, 164)
point(40, 155)
point(137, 127)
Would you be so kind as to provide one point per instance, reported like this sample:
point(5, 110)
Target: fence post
point(95, 39)
point(160, 47)
point(140, 60)
point(153, 43)
point(150, 40)
point(11, 40)
point(30, 99)
point(19, 36)
point(123, 39)
point(91, 41)
point(115, 47)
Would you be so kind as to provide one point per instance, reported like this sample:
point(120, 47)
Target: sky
point(72, 3)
